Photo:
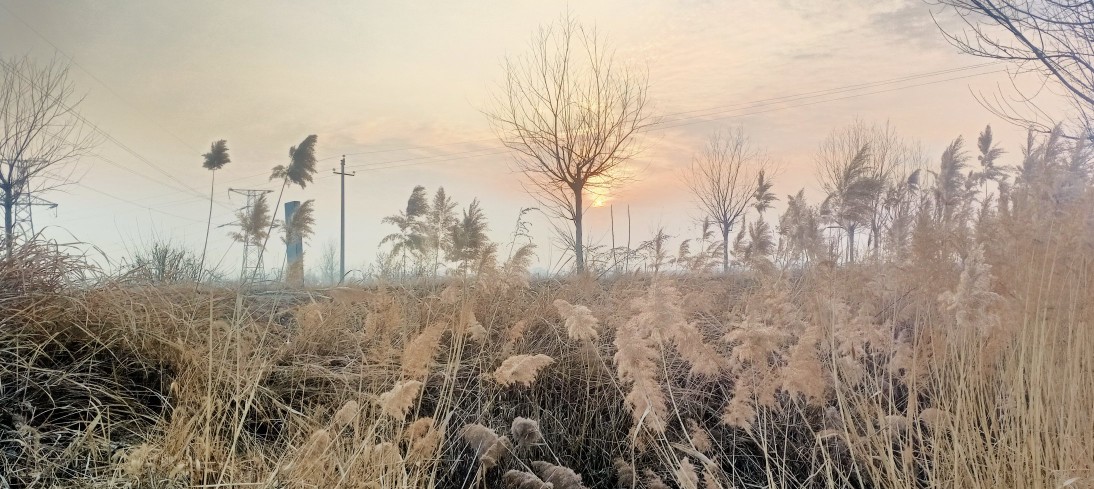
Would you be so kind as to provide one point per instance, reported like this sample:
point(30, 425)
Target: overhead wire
point(704, 115)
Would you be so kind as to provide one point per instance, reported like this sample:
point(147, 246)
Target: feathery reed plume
point(400, 398)
point(516, 331)
point(558, 476)
point(661, 315)
point(475, 329)
point(318, 444)
point(704, 360)
point(739, 411)
point(804, 373)
point(521, 369)
point(636, 364)
point(973, 296)
point(419, 352)
point(345, 415)
point(699, 437)
point(686, 475)
point(517, 479)
point(754, 341)
point(488, 446)
point(654, 481)
point(625, 475)
point(422, 440)
point(580, 323)
point(526, 432)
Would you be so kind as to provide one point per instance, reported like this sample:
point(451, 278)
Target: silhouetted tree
point(723, 178)
point(571, 112)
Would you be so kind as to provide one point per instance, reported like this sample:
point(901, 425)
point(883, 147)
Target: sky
point(401, 88)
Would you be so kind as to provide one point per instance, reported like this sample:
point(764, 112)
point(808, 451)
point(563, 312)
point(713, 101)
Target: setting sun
point(364, 244)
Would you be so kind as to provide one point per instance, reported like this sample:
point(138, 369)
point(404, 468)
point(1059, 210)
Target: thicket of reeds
point(964, 361)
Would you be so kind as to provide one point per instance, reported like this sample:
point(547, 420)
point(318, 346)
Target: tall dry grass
point(945, 370)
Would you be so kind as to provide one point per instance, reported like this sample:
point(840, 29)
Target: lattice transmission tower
point(252, 254)
point(22, 211)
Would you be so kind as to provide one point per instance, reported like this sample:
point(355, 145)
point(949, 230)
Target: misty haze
point(758, 244)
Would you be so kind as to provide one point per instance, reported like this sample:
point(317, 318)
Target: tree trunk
point(725, 248)
point(436, 254)
point(851, 244)
point(9, 223)
point(579, 251)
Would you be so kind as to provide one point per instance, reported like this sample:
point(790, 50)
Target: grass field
point(970, 370)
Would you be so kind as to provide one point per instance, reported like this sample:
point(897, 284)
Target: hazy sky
point(402, 85)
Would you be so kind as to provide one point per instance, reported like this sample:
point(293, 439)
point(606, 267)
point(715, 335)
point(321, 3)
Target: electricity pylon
point(252, 258)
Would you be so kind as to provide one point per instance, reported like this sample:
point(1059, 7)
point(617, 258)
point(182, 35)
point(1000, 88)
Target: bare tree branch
point(42, 133)
point(724, 179)
point(1054, 39)
point(571, 114)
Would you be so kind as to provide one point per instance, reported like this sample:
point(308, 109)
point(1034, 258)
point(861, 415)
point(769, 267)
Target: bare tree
point(571, 112)
point(1054, 38)
point(328, 263)
point(724, 178)
point(42, 133)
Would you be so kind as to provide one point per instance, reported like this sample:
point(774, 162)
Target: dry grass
point(948, 373)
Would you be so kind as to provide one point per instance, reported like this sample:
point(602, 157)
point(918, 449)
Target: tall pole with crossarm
point(342, 256)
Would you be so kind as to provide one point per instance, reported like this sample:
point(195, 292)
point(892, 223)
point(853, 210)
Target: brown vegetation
point(959, 359)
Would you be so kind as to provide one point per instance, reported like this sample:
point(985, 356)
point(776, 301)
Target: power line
point(703, 119)
point(93, 77)
point(842, 89)
point(764, 104)
point(367, 166)
point(122, 199)
point(764, 101)
point(408, 148)
point(109, 137)
point(146, 177)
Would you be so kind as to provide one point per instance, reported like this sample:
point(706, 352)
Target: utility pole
point(342, 255)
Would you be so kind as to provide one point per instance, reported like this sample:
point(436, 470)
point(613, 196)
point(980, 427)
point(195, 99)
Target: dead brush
point(868, 376)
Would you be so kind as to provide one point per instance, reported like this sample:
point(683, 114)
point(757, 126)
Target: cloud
point(909, 23)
